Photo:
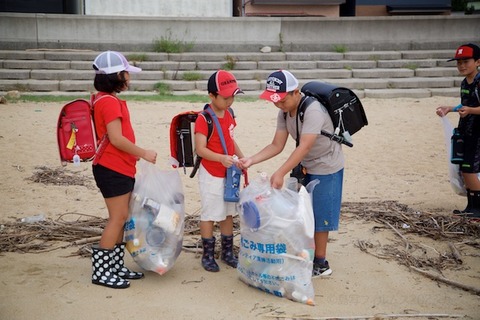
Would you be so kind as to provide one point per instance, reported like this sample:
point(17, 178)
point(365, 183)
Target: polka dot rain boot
point(102, 269)
point(118, 264)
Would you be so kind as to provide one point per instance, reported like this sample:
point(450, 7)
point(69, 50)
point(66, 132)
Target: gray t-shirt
point(326, 156)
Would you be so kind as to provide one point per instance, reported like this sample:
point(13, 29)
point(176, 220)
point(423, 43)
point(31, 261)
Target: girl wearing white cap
point(114, 169)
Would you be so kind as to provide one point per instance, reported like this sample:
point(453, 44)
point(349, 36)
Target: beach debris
point(60, 177)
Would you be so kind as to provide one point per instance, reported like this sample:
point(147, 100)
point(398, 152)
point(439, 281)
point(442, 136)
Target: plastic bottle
point(76, 160)
point(32, 219)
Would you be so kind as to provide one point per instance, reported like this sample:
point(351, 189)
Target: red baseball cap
point(467, 51)
point(223, 83)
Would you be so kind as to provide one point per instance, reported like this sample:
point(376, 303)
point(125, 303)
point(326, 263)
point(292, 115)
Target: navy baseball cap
point(279, 84)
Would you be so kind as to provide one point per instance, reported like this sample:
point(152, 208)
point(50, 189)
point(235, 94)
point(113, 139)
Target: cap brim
point(230, 92)
point(273, 96)
point(133, 69)
point(455, 59)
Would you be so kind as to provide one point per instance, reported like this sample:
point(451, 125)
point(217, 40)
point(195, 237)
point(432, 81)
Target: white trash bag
point(277, 245)
point(154, 228)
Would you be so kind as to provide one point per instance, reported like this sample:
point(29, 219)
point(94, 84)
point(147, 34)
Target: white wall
point(160, 8)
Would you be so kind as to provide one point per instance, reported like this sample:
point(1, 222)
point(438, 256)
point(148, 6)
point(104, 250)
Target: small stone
point(266, 49)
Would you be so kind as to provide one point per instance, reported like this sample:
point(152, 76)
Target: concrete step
point(416, 73)
point(310, 73)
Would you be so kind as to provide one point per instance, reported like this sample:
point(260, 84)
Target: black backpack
point(343, 106)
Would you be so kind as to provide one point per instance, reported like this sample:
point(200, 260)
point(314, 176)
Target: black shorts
point(111, 183)
point(471, 163)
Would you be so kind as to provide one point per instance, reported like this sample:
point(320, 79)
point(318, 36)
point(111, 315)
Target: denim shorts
point(327, 200)
point(111, 183)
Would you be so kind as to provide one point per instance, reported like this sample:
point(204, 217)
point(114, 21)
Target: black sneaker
point(321, 270)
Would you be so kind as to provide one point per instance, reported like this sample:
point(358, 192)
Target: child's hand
point(463, 111)
point(276, 180)
point(227, 161)
point(245, 163)
point(442, 111)
point(150, 156)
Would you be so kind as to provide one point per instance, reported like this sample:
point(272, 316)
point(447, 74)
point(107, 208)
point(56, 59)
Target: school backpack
point(182, 143)
point(343, 106)
point(76, 136)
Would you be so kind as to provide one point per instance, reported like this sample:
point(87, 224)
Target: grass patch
point(137, 57)
point(339, 48)
point(230, 64)
point(411, 66)
point(194, 98)
point(191, 76)
point(169, 45)
point(163, 89)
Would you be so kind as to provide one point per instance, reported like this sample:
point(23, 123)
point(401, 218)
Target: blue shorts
point(327, 200)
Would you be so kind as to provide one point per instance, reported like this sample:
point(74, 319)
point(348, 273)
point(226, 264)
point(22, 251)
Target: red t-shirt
point(106, 110)
point(227, 124)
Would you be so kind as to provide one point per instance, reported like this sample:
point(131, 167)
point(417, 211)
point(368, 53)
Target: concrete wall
point(27, 31)
point(174, 8)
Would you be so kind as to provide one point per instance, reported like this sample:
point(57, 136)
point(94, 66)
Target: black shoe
point(321, 270)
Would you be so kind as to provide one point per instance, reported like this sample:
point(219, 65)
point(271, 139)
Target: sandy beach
point(400, 156)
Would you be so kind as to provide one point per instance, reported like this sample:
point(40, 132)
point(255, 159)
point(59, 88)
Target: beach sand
point(399, 156)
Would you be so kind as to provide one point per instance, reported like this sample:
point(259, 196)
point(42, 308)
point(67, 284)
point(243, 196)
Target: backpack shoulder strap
point(209, 120)
point(304, 103)
point(476, 80)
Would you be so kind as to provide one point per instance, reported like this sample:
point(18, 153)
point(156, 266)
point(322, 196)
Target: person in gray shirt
point(321, 157)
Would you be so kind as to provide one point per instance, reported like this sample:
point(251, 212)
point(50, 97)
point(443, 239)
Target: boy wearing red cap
point(468, 61)
point(222, 88)
point(320, 156)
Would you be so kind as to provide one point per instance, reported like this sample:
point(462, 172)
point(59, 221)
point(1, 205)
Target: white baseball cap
point(109, 62)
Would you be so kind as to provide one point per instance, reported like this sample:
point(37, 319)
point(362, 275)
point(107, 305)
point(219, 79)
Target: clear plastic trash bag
point(154, 228)
point(277, 245)
point(456, 179)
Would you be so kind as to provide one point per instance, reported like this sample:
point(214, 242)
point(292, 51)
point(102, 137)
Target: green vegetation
point(191, 98)
point(169, 45)
point(191, 76)
point(411, 66)
point(137, 57)
point(340, 48)
point(230, 64)
point(163, 89)
point(459, 5)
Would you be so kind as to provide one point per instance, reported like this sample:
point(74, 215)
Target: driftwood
point(375, 317)
point(455, 253)
point(400, 216)
point(447, 281)
point(60, 177)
